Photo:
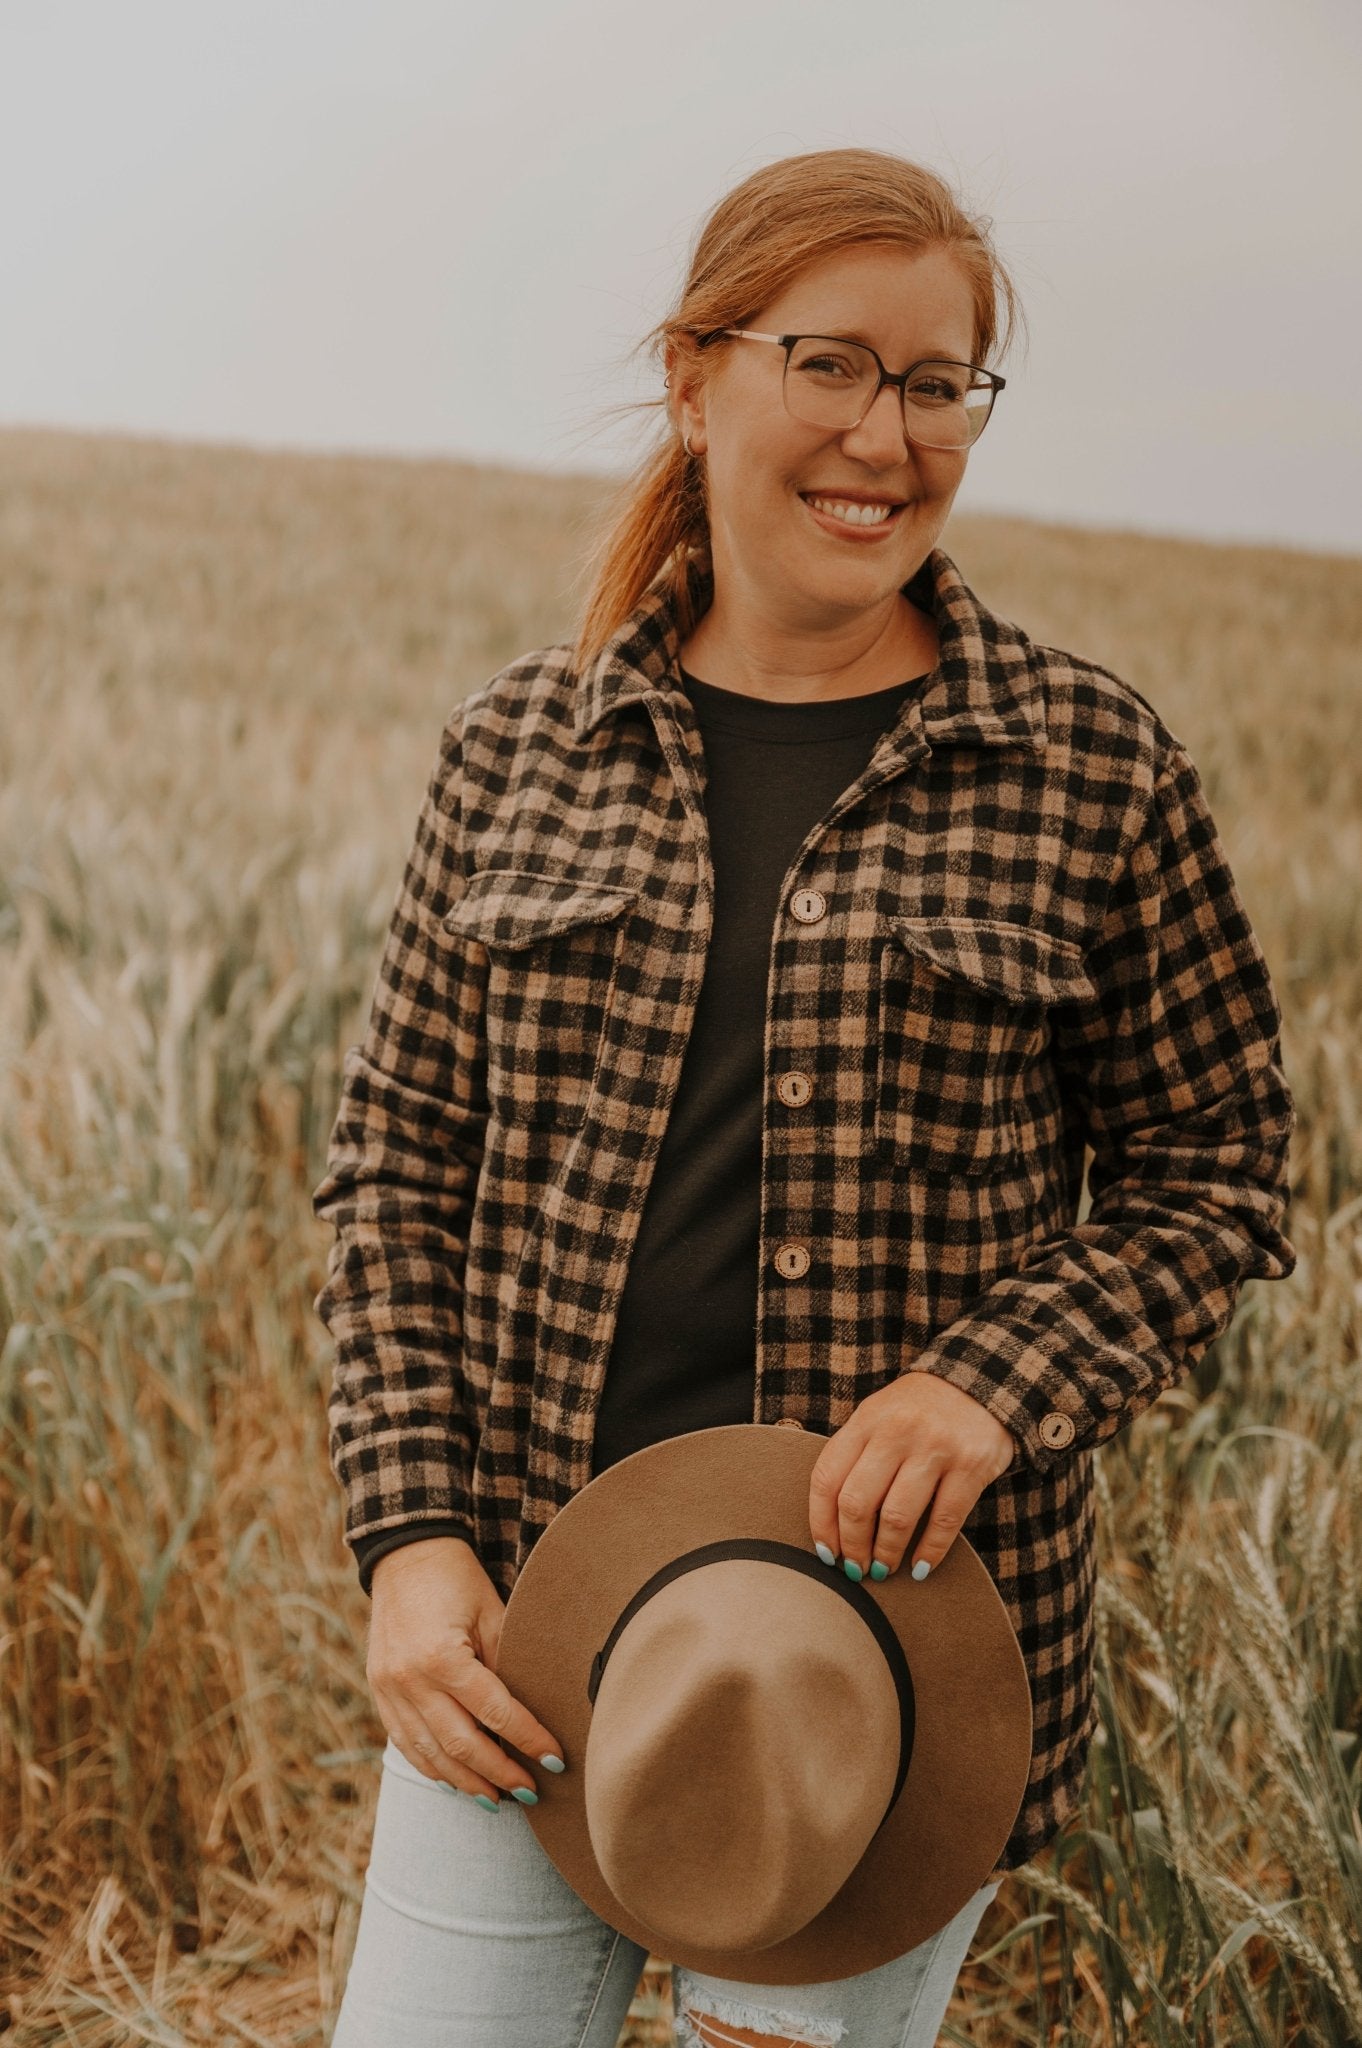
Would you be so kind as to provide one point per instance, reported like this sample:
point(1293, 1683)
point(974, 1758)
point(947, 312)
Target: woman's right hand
point(434, 1631)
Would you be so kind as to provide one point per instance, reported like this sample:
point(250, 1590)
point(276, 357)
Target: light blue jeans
point(469, 1937)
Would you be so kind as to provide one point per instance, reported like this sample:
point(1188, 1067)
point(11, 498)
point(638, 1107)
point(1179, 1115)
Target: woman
point(765, 968)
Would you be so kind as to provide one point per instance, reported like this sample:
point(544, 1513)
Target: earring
point(685, 443)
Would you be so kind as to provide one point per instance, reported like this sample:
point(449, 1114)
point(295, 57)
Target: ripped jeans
point(469, 1937)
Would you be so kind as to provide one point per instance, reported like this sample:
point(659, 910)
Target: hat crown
point(744, 1747)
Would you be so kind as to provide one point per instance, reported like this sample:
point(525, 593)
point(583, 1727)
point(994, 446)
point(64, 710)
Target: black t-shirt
point(683, 1355)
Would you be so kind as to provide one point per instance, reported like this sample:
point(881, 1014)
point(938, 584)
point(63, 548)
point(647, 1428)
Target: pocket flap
point(1016, 962)
point(512, 907)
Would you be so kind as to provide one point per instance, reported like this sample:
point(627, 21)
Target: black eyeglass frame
point(787, 342)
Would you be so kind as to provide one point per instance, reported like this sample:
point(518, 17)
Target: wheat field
point(223, 676)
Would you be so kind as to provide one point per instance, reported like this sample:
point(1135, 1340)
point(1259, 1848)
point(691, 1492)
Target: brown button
point(791, 1261)
point(810, 906)
point(794, 1088)
point(1056, 1430)
point(787, 1422)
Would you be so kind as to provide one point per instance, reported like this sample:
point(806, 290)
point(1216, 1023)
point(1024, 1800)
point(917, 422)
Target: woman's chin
point(855, 582)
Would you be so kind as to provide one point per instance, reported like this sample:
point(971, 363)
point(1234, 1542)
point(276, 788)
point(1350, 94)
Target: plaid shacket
point(1012, 946)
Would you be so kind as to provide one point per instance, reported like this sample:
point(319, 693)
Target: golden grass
point(223, 675)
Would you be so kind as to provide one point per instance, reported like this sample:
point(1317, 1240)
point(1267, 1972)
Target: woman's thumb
point(490, 1616)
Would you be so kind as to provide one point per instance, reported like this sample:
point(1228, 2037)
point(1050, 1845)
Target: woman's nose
point(881, 438)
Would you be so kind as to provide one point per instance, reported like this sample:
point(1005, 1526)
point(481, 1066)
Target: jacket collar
point(985, 690)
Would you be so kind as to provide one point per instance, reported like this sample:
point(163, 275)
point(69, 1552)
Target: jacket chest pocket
point(963, 1026)
point(552, 945)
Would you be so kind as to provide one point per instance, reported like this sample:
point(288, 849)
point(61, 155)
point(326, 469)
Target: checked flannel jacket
point(1011, 948)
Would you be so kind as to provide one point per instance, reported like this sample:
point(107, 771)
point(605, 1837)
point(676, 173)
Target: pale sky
point(427, 228)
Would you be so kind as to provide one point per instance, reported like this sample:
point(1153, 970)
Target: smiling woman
point(766, 966)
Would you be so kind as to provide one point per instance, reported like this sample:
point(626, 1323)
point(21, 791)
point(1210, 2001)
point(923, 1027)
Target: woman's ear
point(685, 397)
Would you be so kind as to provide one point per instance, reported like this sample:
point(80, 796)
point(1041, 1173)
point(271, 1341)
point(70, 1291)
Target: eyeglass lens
point(829, 384)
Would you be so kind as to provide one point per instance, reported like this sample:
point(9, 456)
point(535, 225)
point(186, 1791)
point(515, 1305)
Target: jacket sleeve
point(401, 1170)
point(1175, 1066)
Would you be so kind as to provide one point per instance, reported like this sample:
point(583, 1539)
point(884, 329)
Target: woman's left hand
point(915, 1443)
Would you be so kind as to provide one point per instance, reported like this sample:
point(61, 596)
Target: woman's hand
point(433, 1637)
point(915, 1443)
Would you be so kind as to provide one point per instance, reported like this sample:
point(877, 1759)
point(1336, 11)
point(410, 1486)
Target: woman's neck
point(759, 665)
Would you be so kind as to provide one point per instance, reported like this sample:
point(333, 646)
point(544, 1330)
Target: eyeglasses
point(829, 382)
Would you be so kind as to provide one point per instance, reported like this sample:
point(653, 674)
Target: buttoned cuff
point(1045, 1423)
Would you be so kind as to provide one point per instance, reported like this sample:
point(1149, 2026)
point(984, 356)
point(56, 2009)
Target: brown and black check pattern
point(1029, 944)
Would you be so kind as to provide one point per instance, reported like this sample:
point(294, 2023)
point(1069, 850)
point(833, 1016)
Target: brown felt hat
point(774, 1774)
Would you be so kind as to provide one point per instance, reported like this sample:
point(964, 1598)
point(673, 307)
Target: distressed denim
point(469, 1937)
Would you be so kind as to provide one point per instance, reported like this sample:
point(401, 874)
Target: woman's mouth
point(851, 519)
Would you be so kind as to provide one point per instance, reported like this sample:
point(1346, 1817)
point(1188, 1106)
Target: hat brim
point(972, 1737)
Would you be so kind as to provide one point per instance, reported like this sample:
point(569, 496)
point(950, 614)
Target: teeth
point(854, 515)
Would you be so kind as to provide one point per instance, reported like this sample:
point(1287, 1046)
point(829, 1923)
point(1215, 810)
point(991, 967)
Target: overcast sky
point(428, 226)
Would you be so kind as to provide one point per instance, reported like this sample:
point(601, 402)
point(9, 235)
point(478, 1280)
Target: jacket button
point(810, 906)
point(791, 1261)
point(787, 1422)
point(794, 1088)
point(1056, 1430)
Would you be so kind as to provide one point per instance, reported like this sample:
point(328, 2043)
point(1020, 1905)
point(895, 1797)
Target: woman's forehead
point(881, 294)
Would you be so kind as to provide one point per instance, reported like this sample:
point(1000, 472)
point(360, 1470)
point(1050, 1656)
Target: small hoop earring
point(685, 443)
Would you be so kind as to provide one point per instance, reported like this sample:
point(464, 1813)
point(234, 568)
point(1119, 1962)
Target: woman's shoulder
point(1091, 712)
point(527, 701)
point(539, 679)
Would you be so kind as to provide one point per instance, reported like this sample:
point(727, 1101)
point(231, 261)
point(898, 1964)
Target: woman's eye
point(938, 388)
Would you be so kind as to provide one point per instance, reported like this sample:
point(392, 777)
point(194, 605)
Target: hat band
point(767, 1551)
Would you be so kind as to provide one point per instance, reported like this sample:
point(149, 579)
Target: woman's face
point(768, 542)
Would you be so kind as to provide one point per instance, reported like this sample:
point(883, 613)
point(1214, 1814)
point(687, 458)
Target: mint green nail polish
point(828, 1556)
point(492, 1805)
point(921, 1569)
point(852, 1569)
point(553, 1763)
point(878, 1570)
point(524, 1795)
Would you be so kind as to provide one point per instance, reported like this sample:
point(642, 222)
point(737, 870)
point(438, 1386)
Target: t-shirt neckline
point(778, 718)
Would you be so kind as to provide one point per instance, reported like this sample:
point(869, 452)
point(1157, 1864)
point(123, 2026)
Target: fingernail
point(921, 1569)
point(492, 1805)
point(524, 1795)
point(878, 1570)
point(852, 1569)
point(828, 1556)
point(553, 1763)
